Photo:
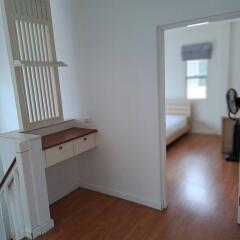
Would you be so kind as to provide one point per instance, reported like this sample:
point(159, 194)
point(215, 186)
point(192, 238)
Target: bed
point(178, 119)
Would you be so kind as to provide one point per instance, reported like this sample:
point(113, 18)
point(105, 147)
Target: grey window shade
point(197, 51)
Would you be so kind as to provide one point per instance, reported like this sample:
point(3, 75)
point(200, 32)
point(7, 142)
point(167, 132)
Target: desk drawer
point(84, 144)
point(59, 153)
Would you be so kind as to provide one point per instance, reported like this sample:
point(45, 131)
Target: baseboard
point(164, 206)
point(40, 230)
point(201, 128)
point(122, 195)
point(47, 226)
point(32, 233)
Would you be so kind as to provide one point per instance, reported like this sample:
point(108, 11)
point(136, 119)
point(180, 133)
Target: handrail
point(8, 172)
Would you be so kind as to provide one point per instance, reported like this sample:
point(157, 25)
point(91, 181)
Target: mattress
point(174, 124)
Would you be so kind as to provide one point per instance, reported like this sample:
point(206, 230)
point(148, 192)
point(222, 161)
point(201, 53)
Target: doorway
point(165, 106)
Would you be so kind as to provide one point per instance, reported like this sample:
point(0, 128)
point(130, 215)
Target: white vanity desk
point(63, 145)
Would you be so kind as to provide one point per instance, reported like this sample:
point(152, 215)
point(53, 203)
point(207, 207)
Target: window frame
point(200, 76)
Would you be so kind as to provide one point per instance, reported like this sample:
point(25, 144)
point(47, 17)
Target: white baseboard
point(47, 226)
point(164, 206)
point(122, 195)
point(202, 128)
point(32, 233)
point(40, 230)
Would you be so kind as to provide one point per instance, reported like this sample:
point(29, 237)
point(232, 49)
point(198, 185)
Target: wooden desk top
point(59, 138)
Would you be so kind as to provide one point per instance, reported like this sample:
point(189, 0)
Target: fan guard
point(233, 101)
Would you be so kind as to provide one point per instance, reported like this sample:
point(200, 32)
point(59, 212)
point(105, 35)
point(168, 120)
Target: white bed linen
point(174, 123)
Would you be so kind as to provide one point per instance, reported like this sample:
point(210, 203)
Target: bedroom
point(201, 64)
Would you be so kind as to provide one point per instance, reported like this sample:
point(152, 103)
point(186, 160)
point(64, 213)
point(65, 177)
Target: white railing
point(3, 227)
point(24, 206)
point(11, 212)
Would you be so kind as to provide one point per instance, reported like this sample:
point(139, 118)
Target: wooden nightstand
point(227, 134)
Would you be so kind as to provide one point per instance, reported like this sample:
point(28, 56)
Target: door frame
point(161, 93)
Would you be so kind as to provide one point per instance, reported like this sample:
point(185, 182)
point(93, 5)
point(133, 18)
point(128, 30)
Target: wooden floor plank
point(202, 190)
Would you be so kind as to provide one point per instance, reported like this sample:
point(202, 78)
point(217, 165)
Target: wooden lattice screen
point(35, 67)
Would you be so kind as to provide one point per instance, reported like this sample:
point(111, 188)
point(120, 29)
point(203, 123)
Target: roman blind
point(197, 51)
point(35, 66)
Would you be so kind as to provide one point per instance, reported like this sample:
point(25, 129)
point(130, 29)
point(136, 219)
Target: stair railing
point(24, 204)
point(11, 213)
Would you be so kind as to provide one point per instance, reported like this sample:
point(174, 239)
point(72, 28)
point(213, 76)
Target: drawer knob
point(60, 148)
point(85, 139)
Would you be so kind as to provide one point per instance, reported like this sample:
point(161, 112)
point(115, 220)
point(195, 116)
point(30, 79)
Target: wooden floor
point(202, 190)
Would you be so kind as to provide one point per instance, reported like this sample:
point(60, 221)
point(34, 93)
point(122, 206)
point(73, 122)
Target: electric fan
point(233, 103)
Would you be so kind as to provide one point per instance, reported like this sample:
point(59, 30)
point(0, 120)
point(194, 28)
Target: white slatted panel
point(32, 45)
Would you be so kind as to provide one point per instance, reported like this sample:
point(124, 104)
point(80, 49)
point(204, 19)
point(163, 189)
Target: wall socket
point(87, 120)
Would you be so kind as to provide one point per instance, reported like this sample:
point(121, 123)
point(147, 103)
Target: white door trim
point(161, 93)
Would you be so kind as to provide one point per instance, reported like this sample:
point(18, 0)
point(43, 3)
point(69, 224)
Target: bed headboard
point(178, 107)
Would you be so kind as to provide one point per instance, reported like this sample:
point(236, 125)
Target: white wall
point(111, 49)
point(207, 113)
point(235, 57)
point(8, 111)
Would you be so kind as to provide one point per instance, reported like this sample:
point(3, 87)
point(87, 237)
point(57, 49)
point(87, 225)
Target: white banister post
point(38, 166)
point(33, 187)
point(25, 180)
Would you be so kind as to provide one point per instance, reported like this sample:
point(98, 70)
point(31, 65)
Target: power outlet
point(87, 120)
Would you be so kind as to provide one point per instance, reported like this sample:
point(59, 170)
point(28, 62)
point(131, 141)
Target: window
point(197, 73)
